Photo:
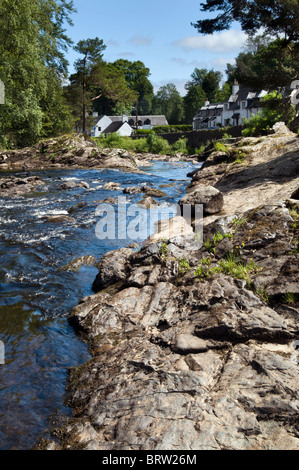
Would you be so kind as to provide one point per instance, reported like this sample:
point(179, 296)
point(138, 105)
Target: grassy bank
point(152, 143)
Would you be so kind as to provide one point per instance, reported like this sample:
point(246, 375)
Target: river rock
point(76, 264)
point(195, 349)
point(147, 202)
point(112, 268)
point(14, 186)
point(132, 190)
point(111, 186)
point(154, 192)
point(210, 197)
point(58, 219)
point(72, 185)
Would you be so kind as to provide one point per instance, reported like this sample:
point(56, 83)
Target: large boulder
point(210, 197)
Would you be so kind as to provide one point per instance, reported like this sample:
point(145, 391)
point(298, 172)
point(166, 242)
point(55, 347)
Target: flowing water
point(36, 295)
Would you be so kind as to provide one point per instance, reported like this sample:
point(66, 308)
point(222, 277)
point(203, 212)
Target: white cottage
point(112, 124)
point(125, 125)
point(242, 104)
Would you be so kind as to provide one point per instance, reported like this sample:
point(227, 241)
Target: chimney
point(207, 103)
point(236, 87)
point(124, 118)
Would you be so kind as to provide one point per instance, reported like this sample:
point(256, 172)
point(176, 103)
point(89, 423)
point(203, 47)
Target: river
point(36, 296)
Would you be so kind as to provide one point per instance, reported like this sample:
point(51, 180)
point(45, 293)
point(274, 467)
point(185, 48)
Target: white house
point(242, 104)
point(112, 124)
point(125, 125)
point(209, 116)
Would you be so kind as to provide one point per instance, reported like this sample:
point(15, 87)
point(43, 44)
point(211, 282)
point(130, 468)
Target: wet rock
point(147, 202)
point(77, 207)
point(14, 186)
point(132, 190)
point(67, 185)
point(58, 219)
point(72, 185)
point(111, 186)
point(154, 192)
point(76, 264)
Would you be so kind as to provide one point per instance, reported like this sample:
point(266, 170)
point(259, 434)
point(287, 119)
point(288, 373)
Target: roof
point(114, 127)
point(156, 120)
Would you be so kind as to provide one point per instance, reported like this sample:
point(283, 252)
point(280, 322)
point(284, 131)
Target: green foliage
point(136, 75)
point(180, 146)
point(157, 144)
point(211, 245)
point(184, 266)
point(274, 110)
point(290, 298)
point(32, 67)
point(220, 147)
point(276, 17)
point(163, 249)
point(150, 144)
point(265, 63)
point(169, 102)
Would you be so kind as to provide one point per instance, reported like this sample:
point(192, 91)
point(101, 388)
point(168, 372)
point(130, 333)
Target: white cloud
point(139, 40)
point(187, 63)
point(224, 42)
point(126, 54)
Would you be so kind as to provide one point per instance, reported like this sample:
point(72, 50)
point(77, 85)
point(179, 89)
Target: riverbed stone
point(210, 197)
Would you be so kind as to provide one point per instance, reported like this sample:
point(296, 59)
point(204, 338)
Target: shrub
point(274, 110)
point(180, 146)
point(157, 144)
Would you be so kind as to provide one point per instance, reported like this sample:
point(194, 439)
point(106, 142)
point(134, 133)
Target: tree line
point(42, 100)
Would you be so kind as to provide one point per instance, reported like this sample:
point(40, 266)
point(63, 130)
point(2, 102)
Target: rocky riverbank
point(74, 151)
point(198, 348)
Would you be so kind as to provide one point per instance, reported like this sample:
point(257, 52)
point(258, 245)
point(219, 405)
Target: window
point(225, 106)
point(243, 104)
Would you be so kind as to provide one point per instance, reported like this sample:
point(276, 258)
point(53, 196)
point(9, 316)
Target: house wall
point(101, 125)
point(125, 130)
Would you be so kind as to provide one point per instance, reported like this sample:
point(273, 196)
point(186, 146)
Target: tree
point(169, 102)
point(265, 63)
point(277, 17)
point(97, 82)
point(208, 80)
point(137, 78)
point(193, 101)
point(32, 67)
point(87, 67)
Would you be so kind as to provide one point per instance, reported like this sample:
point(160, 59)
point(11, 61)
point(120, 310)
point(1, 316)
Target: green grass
point(211, 245)
point(151, 143)
point(290, 298)
point(184, 266)
point(230, 265)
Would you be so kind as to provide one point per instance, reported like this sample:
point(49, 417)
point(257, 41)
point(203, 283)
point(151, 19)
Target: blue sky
point(157, 32)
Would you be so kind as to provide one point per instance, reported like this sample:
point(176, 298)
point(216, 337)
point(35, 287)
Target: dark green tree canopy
point(265, 63)
point(277, 17)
